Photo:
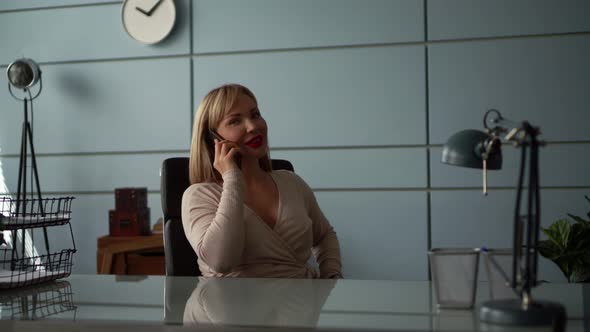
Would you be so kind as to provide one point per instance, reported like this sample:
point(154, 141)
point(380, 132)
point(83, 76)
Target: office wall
point(359, 95)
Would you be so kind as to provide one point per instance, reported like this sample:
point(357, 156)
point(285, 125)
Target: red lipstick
point(255, 142)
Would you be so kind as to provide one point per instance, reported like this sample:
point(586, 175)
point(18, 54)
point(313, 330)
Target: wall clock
point(148, 21)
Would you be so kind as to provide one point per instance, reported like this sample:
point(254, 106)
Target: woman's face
point(244, 125)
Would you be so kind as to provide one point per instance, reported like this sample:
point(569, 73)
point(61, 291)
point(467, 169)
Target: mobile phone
point(237, 157)
point(214, 135)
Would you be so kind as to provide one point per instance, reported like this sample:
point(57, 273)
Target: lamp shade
point(23, 73)
point(465, 149)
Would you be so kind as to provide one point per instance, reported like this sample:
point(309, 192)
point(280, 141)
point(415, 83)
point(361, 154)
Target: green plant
point(568, 246)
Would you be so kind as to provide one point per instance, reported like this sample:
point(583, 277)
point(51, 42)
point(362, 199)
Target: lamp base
point(511, 312)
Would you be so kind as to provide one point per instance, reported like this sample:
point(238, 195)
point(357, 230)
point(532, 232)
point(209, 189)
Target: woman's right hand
point(225, 155)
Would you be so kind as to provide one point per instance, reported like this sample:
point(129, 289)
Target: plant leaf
point(568, 246)
point(581, 274)
point(579, 219)
point(564, 267)
point(588, 199)
point(579, 237)
point(548, 249)
point(558, 233)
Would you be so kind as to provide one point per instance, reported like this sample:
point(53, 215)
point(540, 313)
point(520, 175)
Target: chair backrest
point(181, 259)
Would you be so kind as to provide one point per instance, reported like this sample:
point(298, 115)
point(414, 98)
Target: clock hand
point(142, 11)
point(149, 13)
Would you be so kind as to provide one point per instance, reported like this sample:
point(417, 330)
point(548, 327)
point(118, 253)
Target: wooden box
point(129, 223)
point(130, 199)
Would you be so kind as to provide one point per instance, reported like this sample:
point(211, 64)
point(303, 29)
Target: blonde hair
point(214, 106)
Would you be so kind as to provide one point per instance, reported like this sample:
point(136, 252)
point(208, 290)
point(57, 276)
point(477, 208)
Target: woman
point(242, 218)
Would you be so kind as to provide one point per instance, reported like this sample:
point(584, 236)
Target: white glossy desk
point(104, 302)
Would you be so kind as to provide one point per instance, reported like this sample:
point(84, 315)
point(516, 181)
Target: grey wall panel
point(33, 4)
point(155, 205)
point(468, 219)
point(80, 33)
point(382, 234)
point(230, 25)
point(90, 220)
point(454, 19)
point(346, 97)
point(359, 168)
point(92, 173)
point(105, 106)
point(559, 165)
point(541, 80)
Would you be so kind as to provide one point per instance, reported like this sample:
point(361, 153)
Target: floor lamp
point(24, 74)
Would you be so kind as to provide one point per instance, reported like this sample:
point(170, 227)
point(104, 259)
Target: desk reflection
point(37, 302)
point(257, 302)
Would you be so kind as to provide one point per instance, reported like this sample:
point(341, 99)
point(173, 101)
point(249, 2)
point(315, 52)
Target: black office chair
point(181, 259)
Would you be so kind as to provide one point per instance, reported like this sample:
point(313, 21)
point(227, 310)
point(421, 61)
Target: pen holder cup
point(498, 264)
point(454, 276)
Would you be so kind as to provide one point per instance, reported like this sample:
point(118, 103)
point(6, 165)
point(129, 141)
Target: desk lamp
point(478, 149)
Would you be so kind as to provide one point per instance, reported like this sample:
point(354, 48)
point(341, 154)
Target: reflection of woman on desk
point(242, 218)
point(257, 302)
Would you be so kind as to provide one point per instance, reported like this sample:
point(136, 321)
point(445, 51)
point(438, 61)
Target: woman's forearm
point(217, 228)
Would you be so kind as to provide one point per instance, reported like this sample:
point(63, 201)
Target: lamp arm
point(527, 226)
point(516, 278)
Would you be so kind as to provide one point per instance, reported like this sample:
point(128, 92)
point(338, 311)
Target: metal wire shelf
point(25, 271)
point(31, 213)
point(29, 256)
